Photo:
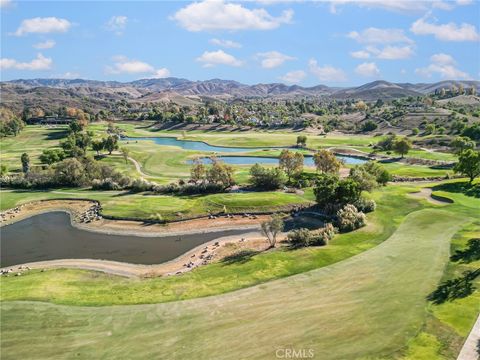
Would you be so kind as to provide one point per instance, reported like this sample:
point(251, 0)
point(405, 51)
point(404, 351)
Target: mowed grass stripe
point(368, 305)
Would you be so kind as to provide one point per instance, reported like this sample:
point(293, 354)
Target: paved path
point(469, 349)
point(138, 167)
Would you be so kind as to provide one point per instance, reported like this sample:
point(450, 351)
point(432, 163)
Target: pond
point(251, 160)
point(51, 236)
point(195, 145)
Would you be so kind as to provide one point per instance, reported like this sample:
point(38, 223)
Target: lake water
point(195, 145)
point(234, 160)
point(51, 236)
point(252, 160)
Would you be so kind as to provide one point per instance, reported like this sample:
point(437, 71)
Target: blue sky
point(337, 43)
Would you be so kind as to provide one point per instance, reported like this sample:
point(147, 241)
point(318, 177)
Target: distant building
point(49, 120)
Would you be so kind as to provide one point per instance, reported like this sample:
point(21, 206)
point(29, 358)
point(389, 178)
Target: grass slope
point(368, 305)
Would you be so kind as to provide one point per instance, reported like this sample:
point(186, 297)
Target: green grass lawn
point(375, 300)
point(147, 206)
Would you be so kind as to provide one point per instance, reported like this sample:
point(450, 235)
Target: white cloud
point(161, 73)
point(442, 58)
point(219, 57)
point(446, 32)
point(48, 44)
point(218, 15)
point(367, 69)
point(39, 63)
point(392, 52)
point(326, 72)
point(402, 6)
point(273, 59)
point(361, 54)
point(444, 66)
point(294, 77)
point(225, 43)
point(43, 25)
point(117, 24)
point(123, 65)
point(380, 36)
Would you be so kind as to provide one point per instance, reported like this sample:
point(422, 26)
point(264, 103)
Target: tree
point(301, 141)
point(198, 171)
point(71, 172)
point(369, 126)
point(325, 189)
point(331, 192)
point(267, 179)
point(25, 163)
point(326, 162)
point(461, 143)
point(111, 143)
point(51, 156)
point(83, 140)
point(402, 146)
point(98, 145)
point(125, 152)
point(75, 126)
point(270, 229)
point(291, 162)
point(220, 173)
point(430, 129)
point(468, 164)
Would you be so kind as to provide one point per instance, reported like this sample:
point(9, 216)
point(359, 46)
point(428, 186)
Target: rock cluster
point(21, 268)
point(10, 214)
point(92, 214)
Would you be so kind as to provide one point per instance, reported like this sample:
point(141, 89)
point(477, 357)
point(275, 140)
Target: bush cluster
point(304, 237)
point(349, 218)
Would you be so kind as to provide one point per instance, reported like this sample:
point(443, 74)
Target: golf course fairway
point(367, 306)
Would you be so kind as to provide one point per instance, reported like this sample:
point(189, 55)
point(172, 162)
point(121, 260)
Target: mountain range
point(31, 92)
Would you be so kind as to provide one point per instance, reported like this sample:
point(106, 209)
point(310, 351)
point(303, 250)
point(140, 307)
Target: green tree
point(111, 144)
point(326, 162)
point(430, 129)
point(198, 172)
point(51, 156)
point(271, 229)
point(461, 143)
point(291, 162)
point(25, 163)
point(301, 141)
point(267, 179)
point(468, 164)
point(402, 146)
point(98, 145)
point(76, 127)
point(220, 173)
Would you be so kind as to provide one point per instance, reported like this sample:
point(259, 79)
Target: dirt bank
point(128, 227)
point(214, 250)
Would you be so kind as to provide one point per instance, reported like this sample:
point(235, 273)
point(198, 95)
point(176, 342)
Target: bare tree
point(270, 230)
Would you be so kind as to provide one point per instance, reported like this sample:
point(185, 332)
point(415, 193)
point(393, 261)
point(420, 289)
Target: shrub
point(299, 238)
point(323, 236)
point(267, 179)
point(141, 185)
point(106, 184)
point(349, 218)
point(365, 205)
